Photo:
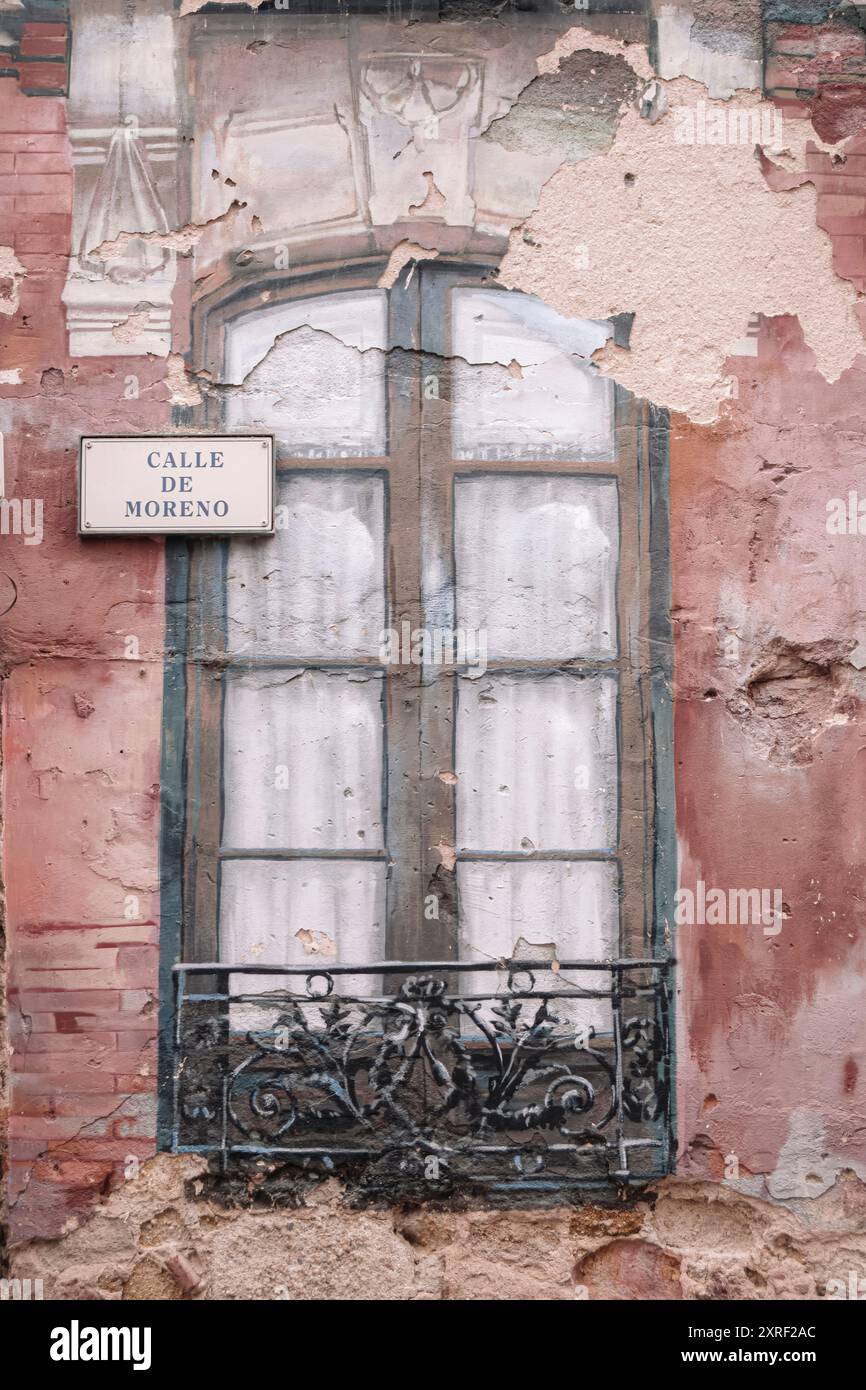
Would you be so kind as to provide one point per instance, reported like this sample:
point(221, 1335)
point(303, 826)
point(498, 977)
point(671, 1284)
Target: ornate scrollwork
point(419, 90)
point(644, 1093)
point(424, 1071)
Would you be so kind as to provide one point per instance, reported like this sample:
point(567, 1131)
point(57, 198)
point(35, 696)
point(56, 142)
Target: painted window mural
point(432, 651)
point(424, 731)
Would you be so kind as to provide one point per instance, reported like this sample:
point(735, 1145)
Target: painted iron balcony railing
point(505, 1073)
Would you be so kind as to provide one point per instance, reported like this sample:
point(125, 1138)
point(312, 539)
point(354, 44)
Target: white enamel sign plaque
point(217, 484)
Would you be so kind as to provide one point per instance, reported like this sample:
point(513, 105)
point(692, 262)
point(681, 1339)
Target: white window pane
point(555, 405)
point(299, 912)
point(507, 908)
point(316, 588)
point(303, 761)
point(536, 763)
point(313, 374)
point(536, 564)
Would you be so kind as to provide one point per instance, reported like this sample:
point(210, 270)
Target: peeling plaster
point(723, 56)
point(193, 6)
point(434, 201)
point(578, 38)
point(316, 943)
point(259, 379)
point(182, 240)
point(654, 216)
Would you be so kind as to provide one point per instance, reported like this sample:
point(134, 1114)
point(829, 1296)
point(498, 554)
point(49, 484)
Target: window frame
point(420, 334)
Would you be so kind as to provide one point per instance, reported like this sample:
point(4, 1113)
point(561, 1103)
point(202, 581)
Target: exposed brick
point(844, 205)
point(31, 162)
point(73, 979)
point(84, 1021)
point(27, 1149)
point(69, 940)
point(48, 77)
point(842, 226)
point(42, 142)
point(837, 183)
point(137, 967)
point(842, 41)
point(118, 1150)
point(68, 1001)
point(132, 1115)
point(104, 1061)
point(849, 255)
point(74, 1042)
point(45, 224)
point(132, 1085)
point(46, 1104)
point(20, 114)
point(53, 28)
point(48, 185)
point(854, 166)
point(72, 1172)
point(139, 1040)
point(42, 266)
point(37, 203)
point(38, 44)
point(42, 244)
point(19, 1175)
point(791, 108)
point(795, 47)
point(790, 33)
point(784, 72)
point(49, 1130)
point(74, 1083)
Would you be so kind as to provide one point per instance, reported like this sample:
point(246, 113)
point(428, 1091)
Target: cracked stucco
point(691, 240)
point(654, 214)
point(181, 240)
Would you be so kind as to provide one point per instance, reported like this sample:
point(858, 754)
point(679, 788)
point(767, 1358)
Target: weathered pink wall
point(770, 783)
point(81, 728)
point(770, 772)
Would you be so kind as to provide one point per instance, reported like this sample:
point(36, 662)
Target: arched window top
point(314, 373)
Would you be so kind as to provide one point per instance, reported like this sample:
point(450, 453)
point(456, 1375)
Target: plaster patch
point(404, 252)
point(12, 272)
point(434, 201)
point(316, 943)
point(131, 328)
point(570, 113)
point(447, 855)
point(805, 1167)
point(183, 388)
point(578, 37)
